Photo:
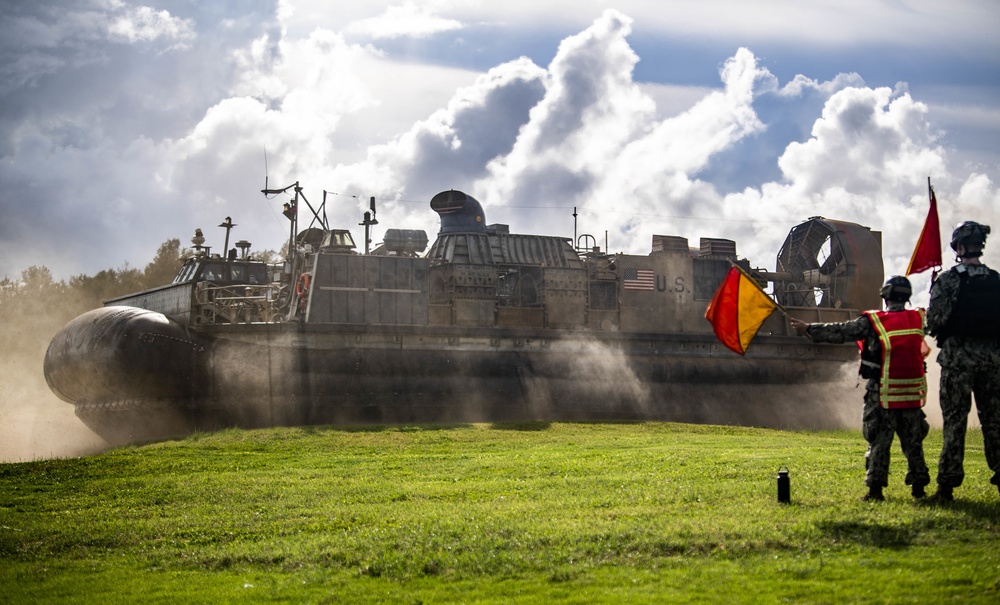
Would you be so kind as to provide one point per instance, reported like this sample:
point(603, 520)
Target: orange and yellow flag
point(738, 309)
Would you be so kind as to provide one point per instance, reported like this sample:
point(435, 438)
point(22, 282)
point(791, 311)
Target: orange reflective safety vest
point(903, 379)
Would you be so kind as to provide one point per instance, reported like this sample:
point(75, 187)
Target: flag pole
point(927, 251)
point(937, 269)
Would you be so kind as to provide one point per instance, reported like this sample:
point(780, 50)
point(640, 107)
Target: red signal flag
point(927, 252)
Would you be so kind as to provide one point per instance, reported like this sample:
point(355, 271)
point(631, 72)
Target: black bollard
point(784, 486)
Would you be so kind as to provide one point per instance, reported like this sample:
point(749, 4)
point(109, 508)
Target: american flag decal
point(637, 279)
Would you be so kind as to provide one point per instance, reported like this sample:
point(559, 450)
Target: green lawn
point(518, 513)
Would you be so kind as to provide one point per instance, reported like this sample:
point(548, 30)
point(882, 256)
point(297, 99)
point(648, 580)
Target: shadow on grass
point(506, 425)
point(987, 511)
point(528, 425)
point(380, 428)
point(869, 534)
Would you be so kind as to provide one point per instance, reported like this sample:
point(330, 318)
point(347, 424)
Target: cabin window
point(341, 238)
point(256, 274)
point(235, 272)
point(214, 272)
point(186, 273)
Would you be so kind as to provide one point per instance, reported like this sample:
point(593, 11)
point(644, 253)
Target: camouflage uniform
point(879, 425)
point(968, 365)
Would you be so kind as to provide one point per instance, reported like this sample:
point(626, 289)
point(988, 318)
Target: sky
point(127, 123)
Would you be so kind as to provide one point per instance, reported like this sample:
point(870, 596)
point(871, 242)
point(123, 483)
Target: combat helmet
point(896, 289)
point(972, 235)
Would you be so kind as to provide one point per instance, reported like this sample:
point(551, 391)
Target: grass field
point(516, 513)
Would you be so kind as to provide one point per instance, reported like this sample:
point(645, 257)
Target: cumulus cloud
point(801, 84)
point(867, 160)
point(144, 24)
point(406, 20)
point(594, 141)
point(302, 101)
point(293, 99)
point(864, 142)
point(865, 151)
point(453, 146)
point(590, 110)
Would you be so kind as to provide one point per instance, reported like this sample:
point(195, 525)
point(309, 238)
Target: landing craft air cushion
point(485, 326)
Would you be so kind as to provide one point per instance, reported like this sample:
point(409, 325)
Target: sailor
point(964, 315)
point(892, 359)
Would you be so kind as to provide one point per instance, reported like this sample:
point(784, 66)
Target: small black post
point(784, 486)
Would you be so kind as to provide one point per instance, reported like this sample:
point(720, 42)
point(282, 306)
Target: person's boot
point(919, 491)
point(874, 494)
point(944, 494)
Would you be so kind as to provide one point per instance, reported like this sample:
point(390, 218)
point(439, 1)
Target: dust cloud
point(595, 381)
point(34, 423)
point(601, 384)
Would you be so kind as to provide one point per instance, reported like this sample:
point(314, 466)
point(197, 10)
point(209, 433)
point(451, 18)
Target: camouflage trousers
point(957, 386)
point(879, 426)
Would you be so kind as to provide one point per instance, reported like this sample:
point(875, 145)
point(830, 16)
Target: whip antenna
point(265, 166)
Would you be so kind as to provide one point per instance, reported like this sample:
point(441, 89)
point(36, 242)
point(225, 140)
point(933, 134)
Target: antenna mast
point(368, 223)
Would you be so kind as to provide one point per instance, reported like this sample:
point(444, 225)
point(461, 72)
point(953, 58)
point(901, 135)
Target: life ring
point(302, 286)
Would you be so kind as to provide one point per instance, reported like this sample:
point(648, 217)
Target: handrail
point(237, 303)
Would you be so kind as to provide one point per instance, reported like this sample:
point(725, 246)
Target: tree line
point(37, 292)
point(34, 307)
